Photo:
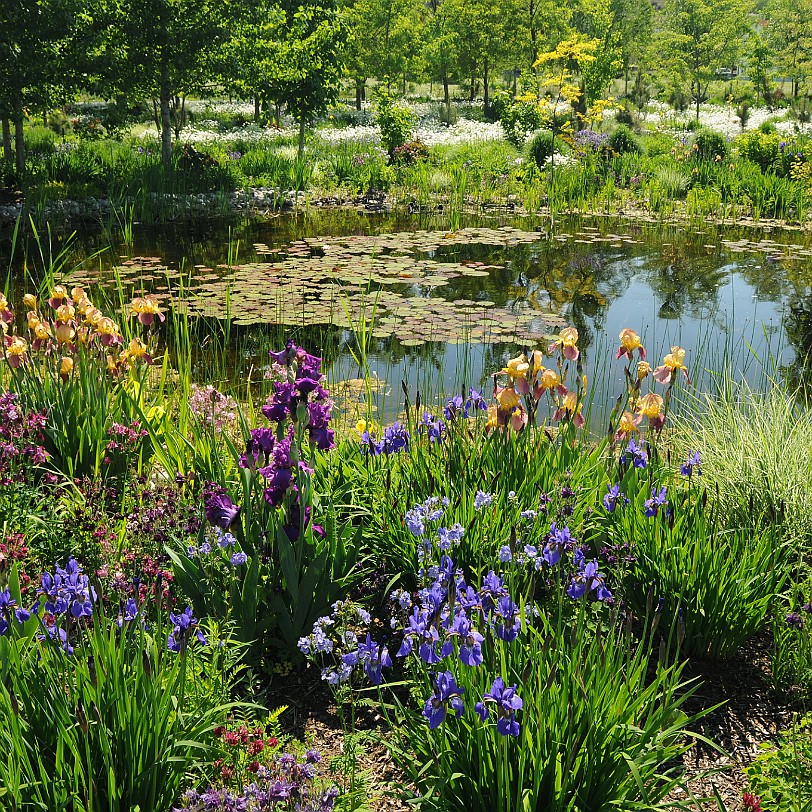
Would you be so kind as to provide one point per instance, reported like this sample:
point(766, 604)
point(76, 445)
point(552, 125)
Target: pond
point(450, 307)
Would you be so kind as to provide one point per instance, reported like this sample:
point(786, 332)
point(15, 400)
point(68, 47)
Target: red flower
point(752, 803)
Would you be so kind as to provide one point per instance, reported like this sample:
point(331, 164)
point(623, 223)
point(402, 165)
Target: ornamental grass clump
point(757, 456)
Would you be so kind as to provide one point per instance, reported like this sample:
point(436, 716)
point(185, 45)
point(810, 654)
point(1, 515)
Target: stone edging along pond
point(270, 201)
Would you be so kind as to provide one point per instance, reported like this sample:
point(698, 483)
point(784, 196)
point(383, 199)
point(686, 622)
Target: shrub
point(760, 147)
point(410, 152)
point(59, 123)
point(95, 713)
point(792, 642)
point(710, 144)
point(541, 148)
point(714, 584)
point(623, 141)
point(679, 99)
point(550, 708)
point(395, 120)
point(625, 116)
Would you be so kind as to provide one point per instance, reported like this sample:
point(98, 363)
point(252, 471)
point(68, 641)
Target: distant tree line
point(295, 54)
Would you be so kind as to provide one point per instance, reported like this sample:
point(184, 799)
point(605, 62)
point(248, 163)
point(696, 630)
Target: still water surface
point(453, 306)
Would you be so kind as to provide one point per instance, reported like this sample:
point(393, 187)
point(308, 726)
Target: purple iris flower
point(220, 510)
point(614, 497)
point(657, 501)
point(446, 692)
point(507, 702)
point(588, 578)
point(638, 456)
point(470, 640)
point(510, 626)
point(184, 625)
point(690, 465)
point(453, 407)
point(373, 657)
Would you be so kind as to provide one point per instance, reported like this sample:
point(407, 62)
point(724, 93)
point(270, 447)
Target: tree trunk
point(485, 79)
point(301, 136)
point(446, 97)
point(166, 119)
point(7, 140)
point(534, 51)
point(19, 142)
point(472, 88)
point(256, 110)
point(359, 93)
point(697, 105)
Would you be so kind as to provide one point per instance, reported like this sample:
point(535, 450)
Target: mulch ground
point(748, 714)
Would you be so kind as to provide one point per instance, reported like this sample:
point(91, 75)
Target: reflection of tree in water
point(798, 327)
point(687, 280)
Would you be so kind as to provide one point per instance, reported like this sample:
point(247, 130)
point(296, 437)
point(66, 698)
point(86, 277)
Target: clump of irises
point(449, 623)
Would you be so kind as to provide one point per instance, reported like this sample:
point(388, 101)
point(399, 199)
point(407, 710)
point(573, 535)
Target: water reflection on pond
point(451, 307)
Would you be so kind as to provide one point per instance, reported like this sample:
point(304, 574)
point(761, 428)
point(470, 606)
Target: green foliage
point(623, 141)
point(756, 453)
point(394, 119)
point(759, 147)
point(541, 148)
point(697, 38)
point(791, 657)
point(782, 775)
point(710, 145)
point(714, 584)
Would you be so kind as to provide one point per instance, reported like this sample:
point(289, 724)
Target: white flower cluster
point(719, 118)
point(431, 133)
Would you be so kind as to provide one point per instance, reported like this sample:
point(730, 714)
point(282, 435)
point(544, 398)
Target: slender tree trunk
point(7, 140)
point(534, 51)
point(359, 93)
point(277, 112)
point(446, 96)
point(697, 105)
point(626, 81)
point(166, 119)
point(256, 110)
point(485, 81)
point(301, 136)
point(472, 88)
point(19, 141)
